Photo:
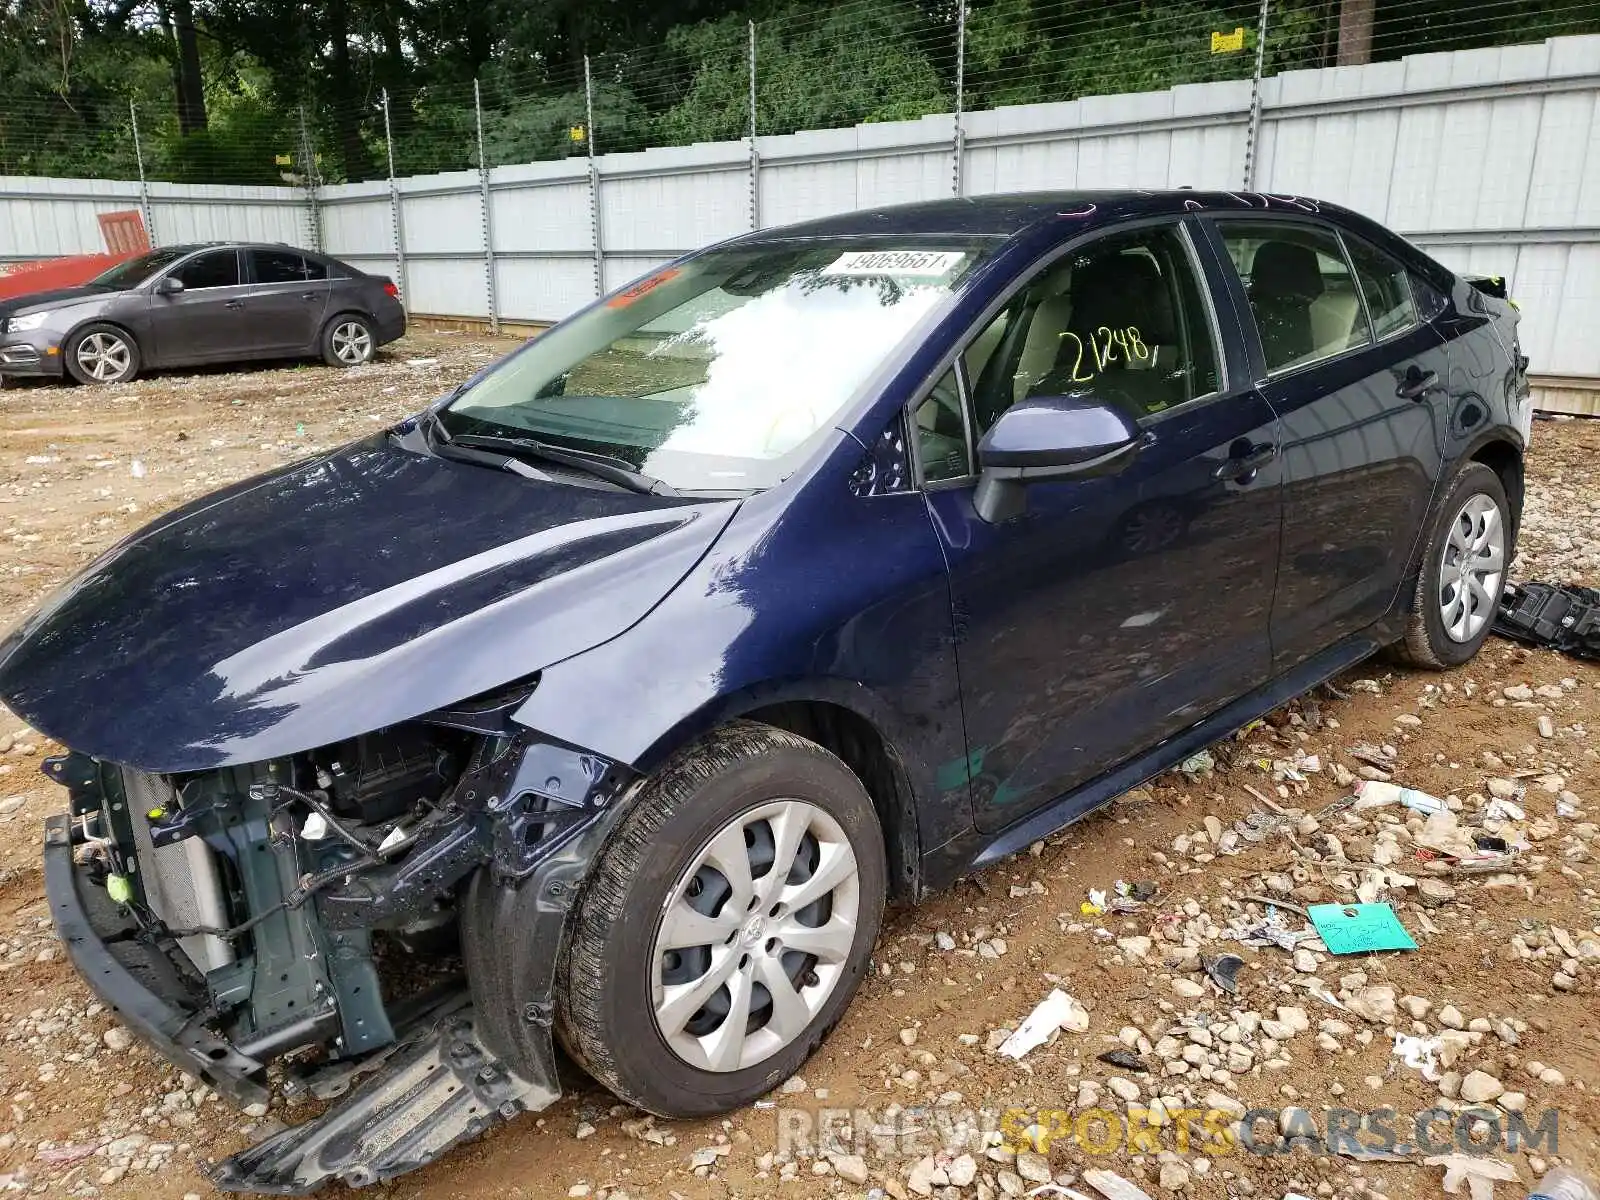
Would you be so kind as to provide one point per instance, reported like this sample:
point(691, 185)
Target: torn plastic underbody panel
point(1554, 617)
point(230, 917)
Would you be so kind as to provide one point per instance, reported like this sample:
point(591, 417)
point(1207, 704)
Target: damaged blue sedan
point(605, 704)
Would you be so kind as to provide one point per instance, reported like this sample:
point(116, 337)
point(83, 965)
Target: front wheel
point(726, 926)
point(1463, 573)
point(102, 354)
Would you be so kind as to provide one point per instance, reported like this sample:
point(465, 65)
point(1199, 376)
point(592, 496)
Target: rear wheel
point(101, 354)
point(1463, 573)
point(348, 341)
point(727, 925)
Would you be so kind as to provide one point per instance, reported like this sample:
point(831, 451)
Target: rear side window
point(278, 266)
point(1386, 287)
point(1302, 291)
point(218, 268)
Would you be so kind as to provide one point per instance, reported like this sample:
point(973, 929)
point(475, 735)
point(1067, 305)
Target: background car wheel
point(1463, 573)
point(727, 925)
point(348, 341)
point(102, 354)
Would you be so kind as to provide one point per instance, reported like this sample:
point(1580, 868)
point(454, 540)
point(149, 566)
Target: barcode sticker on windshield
point(921, 263)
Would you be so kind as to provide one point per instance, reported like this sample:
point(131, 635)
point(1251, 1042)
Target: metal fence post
point(145, 212)
point(1253, 133)
point(488, 215)
point(594, 181)
point(396, 223)
point(308, 162)
point(755, 155)
point(959, 148)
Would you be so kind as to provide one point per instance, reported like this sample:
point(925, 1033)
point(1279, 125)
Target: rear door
point(1358, 382)
point(1116, 610)
point(206, 321)
point(288, 297)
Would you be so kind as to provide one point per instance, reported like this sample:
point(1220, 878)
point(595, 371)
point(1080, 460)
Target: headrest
point(1285, 270)
point(1120, 290)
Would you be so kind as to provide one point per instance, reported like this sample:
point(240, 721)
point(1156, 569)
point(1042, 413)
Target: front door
point(1358, 382)
point(288, 297)
point(1114, 611)
point(206, 320)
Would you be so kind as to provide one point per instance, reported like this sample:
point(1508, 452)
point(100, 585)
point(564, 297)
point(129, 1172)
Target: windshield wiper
point(602, 466)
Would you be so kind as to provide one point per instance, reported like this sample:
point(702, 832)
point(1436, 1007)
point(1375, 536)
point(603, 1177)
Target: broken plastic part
point(439, 1090)
point(1223, 970)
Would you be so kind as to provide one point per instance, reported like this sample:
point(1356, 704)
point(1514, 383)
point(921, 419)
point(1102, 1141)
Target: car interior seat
point(1285, 282)
point(1120, 292)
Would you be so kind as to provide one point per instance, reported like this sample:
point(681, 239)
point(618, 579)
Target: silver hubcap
point(1472, 570)
point(352, 343)
point(104, 357)
point(754, 936)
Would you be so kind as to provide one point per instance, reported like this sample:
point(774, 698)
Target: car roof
point(191, 247)
point(1004, 216)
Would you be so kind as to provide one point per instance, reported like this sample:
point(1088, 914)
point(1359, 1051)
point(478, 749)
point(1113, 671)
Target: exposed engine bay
point(307, 912)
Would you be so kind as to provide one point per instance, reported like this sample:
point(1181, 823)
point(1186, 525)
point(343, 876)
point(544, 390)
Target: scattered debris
point(1197, 765)
point(1480, 1174)
point(1223, 970)
point(1548, 615)
point(1419, 1053)
point(1056, 1011)
point(1113, 1186)
point(1359, 928)
point(1125, 1059)
point(1376, 793)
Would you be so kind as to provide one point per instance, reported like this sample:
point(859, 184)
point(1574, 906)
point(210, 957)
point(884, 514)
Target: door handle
point(1241, 467)
point(1416, 384)
point(308, 295)
point(234, 304)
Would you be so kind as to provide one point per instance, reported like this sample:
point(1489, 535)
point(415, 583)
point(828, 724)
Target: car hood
point(334, 597)
point(52, 299)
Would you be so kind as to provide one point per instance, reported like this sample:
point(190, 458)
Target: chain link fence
point(854, 63)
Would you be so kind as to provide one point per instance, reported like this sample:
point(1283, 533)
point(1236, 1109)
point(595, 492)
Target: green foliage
point(665, 71)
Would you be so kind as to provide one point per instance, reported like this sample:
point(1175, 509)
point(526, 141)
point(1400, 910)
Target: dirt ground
point(1515, 953)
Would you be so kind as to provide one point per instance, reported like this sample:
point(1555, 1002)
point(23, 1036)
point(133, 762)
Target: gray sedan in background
point(189, 305)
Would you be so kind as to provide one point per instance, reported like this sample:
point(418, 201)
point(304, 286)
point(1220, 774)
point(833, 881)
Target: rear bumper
point(27, 359)
point(169, 1028)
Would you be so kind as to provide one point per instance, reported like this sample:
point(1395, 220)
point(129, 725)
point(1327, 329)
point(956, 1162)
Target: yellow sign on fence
point(1228, 43)
point(576, 133)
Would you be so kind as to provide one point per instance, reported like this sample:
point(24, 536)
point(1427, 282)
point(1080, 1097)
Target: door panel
point(1114, 611)
point(206, 321)
point(1362, 428)
point(288, 297)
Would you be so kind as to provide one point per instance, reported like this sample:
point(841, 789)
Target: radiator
point(181, 883)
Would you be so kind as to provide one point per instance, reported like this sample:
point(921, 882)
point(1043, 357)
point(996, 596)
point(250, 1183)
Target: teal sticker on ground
point(1359, 928)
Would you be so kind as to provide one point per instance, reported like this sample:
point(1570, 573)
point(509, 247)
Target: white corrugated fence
point(1489, 159)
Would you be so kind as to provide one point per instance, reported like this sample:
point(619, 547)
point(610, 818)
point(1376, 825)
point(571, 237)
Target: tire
point(1430, 640)
point(606, 1012)
point(348, 341)
point(102, 354)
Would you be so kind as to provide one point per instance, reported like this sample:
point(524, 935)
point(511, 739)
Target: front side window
point(942, 432)
point(278, 266)
point(720, 373)
point(1386, 287)
point(218, 268)
point(1122, 319)
point(1301, 290)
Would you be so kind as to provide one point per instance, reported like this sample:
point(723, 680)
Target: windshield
point(135, 270)
point(719, 374)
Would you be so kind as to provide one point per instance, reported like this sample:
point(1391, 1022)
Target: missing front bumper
point(437, 1087)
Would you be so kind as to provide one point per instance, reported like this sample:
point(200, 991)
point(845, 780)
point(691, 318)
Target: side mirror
point(169, 285)
point(1050, 437)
